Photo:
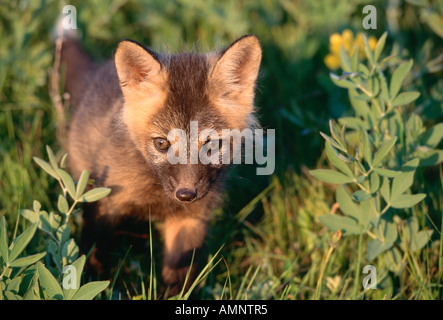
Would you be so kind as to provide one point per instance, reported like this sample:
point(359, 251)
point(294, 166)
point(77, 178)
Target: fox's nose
point(186, 195)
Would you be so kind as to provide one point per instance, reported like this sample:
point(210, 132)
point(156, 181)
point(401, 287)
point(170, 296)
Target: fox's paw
point(174, 279)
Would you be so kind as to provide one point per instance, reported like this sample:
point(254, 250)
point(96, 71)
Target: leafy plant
point(27, 277)
point(376, 154)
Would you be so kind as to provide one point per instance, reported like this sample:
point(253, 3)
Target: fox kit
point(122, 112)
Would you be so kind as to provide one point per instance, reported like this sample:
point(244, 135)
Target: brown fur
point(121, 106)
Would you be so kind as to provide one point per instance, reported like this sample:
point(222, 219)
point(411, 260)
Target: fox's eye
point(161, 144)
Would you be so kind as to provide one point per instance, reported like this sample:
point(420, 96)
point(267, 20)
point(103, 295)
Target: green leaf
point(81, 184)
point(13, 285)
point(387, 173)
point(30, 215)
point(383, 151)
point(334, 222)
point(414, 126)
point(95, 194)
point(50, 288)
point(52, 159)
point(376, 247)
point(33, 292)
point(336, 134)
point(374, 86)
point(12, 296)
point(334, 143)
point(385, 190)
point(383, 86)
point(345, 63)
point(347, 206)
point(367, 152)
point(330, 176)
point(70, 251)
point(433, 136)
point(386, 229)
point(90, 290)
point(398, 77)
point(332, 155)
point(62, 204)
point(352, 123)
point(29, 289)
point(355, 60)
point(360, 107)
point(20, 243)
point(411, 227)
point(63, 233)
point(49, 222)
point(368, 51)
point(4, 240)
point(430, 158)
point(343, 136)
point(405, 98)
point(360, 179)
point(416, 240)
point(379, 46)
point(63, 161)
point(433, 17)
point(393, 260)
point(37, 206)
point(67, 182)
point(361, 195)
point(406, 200)
point(342, 83)
point(53, 250)
point(369, 212)
point(374, 182)
point(404, 181)
point(26, 261)
point(44, 223)
point(78, 265)
point(420, 239)
point(46, 167)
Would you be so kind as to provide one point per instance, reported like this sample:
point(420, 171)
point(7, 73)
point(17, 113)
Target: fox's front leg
point(182, 237)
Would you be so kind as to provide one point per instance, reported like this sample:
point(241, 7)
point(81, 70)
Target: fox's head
point(163, 93)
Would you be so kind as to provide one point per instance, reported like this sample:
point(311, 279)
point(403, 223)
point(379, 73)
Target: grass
point(266, 242)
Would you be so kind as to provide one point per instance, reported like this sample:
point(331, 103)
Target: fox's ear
point(235, 72)
point(136, 65)
point(142, 80)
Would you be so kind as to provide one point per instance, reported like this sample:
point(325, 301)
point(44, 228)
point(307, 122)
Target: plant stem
point(70, 209)
point(373, 236)
point(362, 187)
point(4, 271)
point(440, 252)
point(365, 91)
point(322, 271)
point(385, 208)
point(358, 267)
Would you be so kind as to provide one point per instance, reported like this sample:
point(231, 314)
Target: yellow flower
point(332, 61)
point(372, 42)
point(335, 42)
point(348, 39)
point(349, 43)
